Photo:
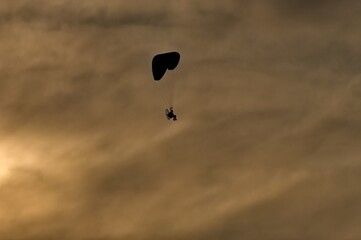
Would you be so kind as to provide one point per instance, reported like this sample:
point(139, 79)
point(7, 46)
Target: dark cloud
point(314, 12)
point(68, 14)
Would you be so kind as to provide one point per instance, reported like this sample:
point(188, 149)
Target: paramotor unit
point(170, 114)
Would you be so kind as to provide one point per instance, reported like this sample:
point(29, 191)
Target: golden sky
point(268, 142)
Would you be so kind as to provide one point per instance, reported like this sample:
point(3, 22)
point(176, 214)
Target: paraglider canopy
point(162, 62)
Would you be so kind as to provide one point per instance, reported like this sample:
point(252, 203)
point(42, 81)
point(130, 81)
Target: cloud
point(267, 140)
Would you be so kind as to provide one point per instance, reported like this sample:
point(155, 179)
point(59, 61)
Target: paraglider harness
point(170, 114)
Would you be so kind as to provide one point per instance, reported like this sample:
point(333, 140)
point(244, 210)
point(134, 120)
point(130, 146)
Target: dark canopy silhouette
point(162, 62)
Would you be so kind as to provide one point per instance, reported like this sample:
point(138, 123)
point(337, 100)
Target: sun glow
point(12, 157)
point(4, 166)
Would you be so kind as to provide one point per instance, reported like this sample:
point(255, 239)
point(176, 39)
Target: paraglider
point(160, 64)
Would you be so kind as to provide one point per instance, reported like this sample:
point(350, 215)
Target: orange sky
point(268, 141)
